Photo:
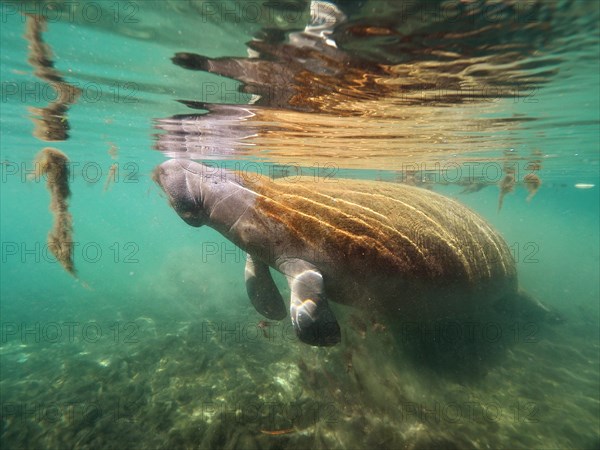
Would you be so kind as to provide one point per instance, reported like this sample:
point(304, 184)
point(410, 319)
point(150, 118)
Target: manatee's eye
point(194, 217)
point(187, 215)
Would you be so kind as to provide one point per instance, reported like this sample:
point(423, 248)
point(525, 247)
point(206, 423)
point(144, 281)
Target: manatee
point(400, 250)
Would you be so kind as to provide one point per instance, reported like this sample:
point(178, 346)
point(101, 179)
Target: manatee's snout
point(169, 177)
point(182, 189)
point(157, 175)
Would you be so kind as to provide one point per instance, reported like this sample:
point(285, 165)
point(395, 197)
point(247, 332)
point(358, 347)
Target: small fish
point(278, 432)
point(263, 324)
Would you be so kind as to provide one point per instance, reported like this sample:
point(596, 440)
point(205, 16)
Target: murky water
point(122, 326)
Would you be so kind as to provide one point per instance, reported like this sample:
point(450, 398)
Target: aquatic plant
point(51, 123)
point(532, 183)
point(54, 164)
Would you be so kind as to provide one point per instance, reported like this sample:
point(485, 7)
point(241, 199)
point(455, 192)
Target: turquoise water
point(154, 344)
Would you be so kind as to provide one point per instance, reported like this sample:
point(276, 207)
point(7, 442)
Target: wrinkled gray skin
point(202, 195)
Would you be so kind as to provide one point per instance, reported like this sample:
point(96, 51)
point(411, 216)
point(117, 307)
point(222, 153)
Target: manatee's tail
point(527, 307)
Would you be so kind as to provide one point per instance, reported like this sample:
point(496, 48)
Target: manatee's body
point(387, 247)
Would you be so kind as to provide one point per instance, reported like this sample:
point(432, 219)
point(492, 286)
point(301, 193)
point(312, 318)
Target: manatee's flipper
point(262, 291)
point(313, 320)
point(191, 61)
point(246, 70)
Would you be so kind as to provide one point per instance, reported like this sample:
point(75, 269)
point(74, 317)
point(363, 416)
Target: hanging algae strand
point(54, 164)
point(506, 185)
point(532, 183)
point(50, 123)
point(112, 176)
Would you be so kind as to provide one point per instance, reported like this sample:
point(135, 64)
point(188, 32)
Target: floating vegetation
point(113, 150)
point(51, 123)
point(535, 163)
point(506, 185)
point(532, 183)
point(54, 164)
point(510, 168)
point(111, 177)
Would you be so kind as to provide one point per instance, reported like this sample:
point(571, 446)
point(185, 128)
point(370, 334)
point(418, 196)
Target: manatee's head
point(181, 180)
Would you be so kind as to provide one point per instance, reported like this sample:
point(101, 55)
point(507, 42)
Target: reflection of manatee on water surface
point(367, 69)
point(405, 252)
point(409, 54)
point(292, 72)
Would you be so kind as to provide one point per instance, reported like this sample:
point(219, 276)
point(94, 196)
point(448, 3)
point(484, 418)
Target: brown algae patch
point(54, 164)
